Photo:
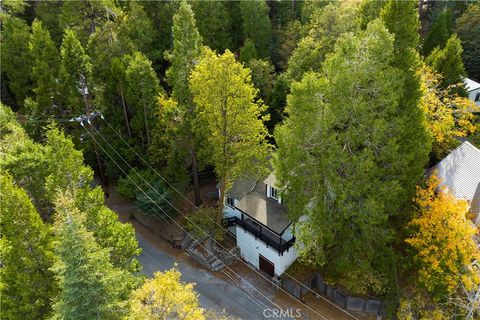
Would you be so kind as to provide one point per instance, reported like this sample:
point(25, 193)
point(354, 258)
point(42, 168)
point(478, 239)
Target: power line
point(205, 232)
point(171, 217)
point(216, 223)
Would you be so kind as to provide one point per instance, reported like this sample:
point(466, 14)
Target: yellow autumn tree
point(448, 115)
point(165, 297)
point(442, 240)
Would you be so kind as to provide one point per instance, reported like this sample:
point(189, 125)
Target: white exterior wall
point(472, 94)
point(251, 248)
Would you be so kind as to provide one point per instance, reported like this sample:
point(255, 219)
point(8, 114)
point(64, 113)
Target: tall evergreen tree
point(326, 25)
point(448, 62)
point(90, 287)
point(468, 28)
point(138, 29)
point(45, 69)
point(248, 51)
point(437, 35)
point(27, 285)
point(339, 145)
point(230, 118)
point(142, 94)
point(85, 16)
point(185, 54)
point(401, 20)
point(256, 25)
point(59, 166)
point(213, 23)
point(75, 75)
point(16, 58)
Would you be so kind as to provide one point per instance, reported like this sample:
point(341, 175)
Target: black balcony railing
point(268, 237)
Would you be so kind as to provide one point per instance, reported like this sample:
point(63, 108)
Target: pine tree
point(230, 118)
point(437, 35)
point(339, 145)
point(248, 52)
point(256, 25)
point(75, 75)
point(90, 287)
point(138, 29)
point(448, 62)
point(213, 23)
point(326, 25)
point(468, 28)
point(143, 91)
point(85, 16)
point(16, 59)
point(401, 20)
point(185, 54)
point(45, 69)
point(26, 283)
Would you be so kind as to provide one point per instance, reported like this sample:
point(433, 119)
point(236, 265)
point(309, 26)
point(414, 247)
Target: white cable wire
point(205, 232)
point(273, 303)
point(206, 215)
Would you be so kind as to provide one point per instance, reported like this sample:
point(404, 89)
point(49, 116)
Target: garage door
point(266, 265)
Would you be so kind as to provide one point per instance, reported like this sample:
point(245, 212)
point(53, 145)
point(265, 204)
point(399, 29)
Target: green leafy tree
point(27, 285)
point(401, 20)
point(143, 90)
point(65, 161)
point(20, 156)
point(161, 14)
point(85, 16)
point(438, 34)
point(137, 28)
point(16, 58)
point(369, 10)
point(248, 51)
point(90, 287)
point(75, 75)
point(263, 78)
point(155, 200)
point(45, 69)
point(58, 166)
point(256, 25)
point(339, 145)
point(288, 37)
point(48, 12)
point(326, 25)
point(468, 28)
point(213, 23)
point(448, 62)
point(185, 54)
point(230, 118)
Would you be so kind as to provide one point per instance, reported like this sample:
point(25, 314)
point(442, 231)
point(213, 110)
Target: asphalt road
point(214, 293)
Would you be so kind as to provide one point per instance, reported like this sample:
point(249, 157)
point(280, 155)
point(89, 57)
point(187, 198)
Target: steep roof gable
point(459, 172)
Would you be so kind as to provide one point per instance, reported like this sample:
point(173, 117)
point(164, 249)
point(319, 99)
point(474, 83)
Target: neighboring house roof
point(471, 85)
point(459, 172)
point(252, 199)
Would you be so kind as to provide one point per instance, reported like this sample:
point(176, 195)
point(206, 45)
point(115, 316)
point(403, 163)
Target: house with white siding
point(459, 174)
point(473, 90)
point(255, 214)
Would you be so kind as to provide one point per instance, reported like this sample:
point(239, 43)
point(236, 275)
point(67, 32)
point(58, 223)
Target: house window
point(230, 202)
point(273, 193)
point(477, 97)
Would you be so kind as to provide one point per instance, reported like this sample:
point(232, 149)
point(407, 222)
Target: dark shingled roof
point(252, 199)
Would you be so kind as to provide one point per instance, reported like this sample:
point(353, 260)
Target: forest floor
point(223, 292)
